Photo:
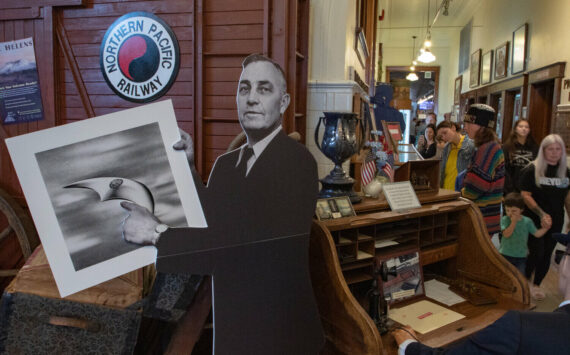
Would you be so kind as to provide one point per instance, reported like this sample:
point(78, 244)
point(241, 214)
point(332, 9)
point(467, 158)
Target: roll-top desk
point(451, 236)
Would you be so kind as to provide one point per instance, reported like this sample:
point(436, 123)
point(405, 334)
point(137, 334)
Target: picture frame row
point(495, 63)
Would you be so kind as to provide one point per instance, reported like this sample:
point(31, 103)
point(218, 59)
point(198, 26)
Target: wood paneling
point(214, 36)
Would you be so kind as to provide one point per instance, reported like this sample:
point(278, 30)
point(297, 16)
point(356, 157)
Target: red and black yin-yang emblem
point(139, 57)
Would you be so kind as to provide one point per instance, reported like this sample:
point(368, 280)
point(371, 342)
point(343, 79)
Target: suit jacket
point(256, 248)
point(514, 333)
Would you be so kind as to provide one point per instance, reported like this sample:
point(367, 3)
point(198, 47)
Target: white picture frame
point(81, 231)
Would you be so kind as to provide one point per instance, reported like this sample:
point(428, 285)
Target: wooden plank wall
point(15, 24)
point(39, 26)
point(84, 28)
point(229, 31)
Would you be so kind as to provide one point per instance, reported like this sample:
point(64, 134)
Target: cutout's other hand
point(185, 143)
point(140, 226)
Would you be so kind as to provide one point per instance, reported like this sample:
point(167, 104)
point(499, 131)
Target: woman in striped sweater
point(485, 177)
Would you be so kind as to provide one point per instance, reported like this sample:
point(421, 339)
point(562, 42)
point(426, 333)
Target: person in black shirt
point(520, 149)
point(427, 147)
point(544, 187)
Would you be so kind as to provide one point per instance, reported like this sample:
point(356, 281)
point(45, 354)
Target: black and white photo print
point(84, 172)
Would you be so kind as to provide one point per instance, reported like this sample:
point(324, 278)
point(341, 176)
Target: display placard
point(401, 196)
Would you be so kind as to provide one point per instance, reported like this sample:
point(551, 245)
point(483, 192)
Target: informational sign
point(75, 176)
point(139, 57)
point(20, 96)
point(401, 196)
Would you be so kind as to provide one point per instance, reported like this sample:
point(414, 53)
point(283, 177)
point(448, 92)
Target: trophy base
point(336, 187)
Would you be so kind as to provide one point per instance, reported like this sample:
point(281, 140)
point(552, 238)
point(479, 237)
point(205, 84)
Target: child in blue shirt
point(516, 229)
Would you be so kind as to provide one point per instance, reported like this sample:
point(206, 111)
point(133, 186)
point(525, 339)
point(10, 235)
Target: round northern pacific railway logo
point(139, 57)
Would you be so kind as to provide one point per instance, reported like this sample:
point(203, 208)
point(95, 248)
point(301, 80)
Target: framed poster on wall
point(501, 60)
point(486, 65)
point(475, 68)
point(518, 64)
point(457, 89)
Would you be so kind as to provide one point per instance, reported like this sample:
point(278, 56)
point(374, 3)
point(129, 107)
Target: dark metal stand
point(337, 184)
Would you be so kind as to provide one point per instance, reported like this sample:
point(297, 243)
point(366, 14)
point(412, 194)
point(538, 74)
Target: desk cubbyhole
point(365, 250)
point(440, 234)
point(440, 219)
point(452, 218)
point(366, 233)
point(358, 275)
point(426, 237)
point(452, 231)
point(426, 222)
point(347, 253)
point(347, 236)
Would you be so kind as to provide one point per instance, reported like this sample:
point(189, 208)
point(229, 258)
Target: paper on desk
point(440, 292)
point(424, 316)
point(384, 243)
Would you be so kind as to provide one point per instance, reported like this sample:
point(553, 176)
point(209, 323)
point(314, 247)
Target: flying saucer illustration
point(117, 188)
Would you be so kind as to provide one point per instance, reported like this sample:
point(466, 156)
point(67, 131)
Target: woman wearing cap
point(483, 183)
point(544, 187)
point(520, 149)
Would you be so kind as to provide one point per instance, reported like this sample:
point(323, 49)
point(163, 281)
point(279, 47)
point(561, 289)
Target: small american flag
point(387, 168)
point(368, 169)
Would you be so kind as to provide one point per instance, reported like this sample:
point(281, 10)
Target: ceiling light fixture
point(427, 56)
point(412, 76)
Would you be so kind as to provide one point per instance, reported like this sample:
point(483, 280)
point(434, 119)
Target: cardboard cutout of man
point(258, 203)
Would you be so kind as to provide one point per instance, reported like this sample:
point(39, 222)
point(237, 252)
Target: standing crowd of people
point(520, 187)
point(531, 182)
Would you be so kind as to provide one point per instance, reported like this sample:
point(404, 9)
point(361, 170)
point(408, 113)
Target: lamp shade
point(412, 77)
point(426, 57)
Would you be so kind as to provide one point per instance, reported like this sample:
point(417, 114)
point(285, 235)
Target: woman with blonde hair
point(544, 187)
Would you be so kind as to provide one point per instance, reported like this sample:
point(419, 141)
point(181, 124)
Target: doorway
point(540, 108)
point(414, 98)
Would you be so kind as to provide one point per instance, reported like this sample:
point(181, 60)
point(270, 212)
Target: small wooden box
point(103, 319)
point(423, 175)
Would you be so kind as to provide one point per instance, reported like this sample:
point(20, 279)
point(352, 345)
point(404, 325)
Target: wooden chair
point(16, 221)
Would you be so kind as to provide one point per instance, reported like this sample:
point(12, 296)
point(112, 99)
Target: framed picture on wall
point(501, 60)
point(361, 47)
point(475, 68)
point(486, 64)
point(518, 63)
point(457, 90)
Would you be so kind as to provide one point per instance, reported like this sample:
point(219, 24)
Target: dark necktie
point(242, 166)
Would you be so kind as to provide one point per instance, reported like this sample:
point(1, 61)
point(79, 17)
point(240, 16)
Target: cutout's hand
point(185, 143)
point(401, 335)
point(139, 226)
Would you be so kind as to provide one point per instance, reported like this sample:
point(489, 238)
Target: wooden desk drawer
point(433, 255)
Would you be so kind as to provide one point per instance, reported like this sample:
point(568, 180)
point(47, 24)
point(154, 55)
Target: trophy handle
point(363, 128)
point(317, 133)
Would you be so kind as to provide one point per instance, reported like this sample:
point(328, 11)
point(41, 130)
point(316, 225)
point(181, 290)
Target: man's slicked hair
point(256, 57)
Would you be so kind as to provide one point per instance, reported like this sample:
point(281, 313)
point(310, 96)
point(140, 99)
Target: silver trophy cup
point(339, 143)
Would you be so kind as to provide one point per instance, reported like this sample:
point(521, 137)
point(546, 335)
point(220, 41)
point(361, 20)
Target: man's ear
point(285, 100)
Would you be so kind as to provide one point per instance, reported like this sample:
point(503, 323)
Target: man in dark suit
point(258, 204)
point(515, 332)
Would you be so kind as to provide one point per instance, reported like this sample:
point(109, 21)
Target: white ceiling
point(406, 18)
